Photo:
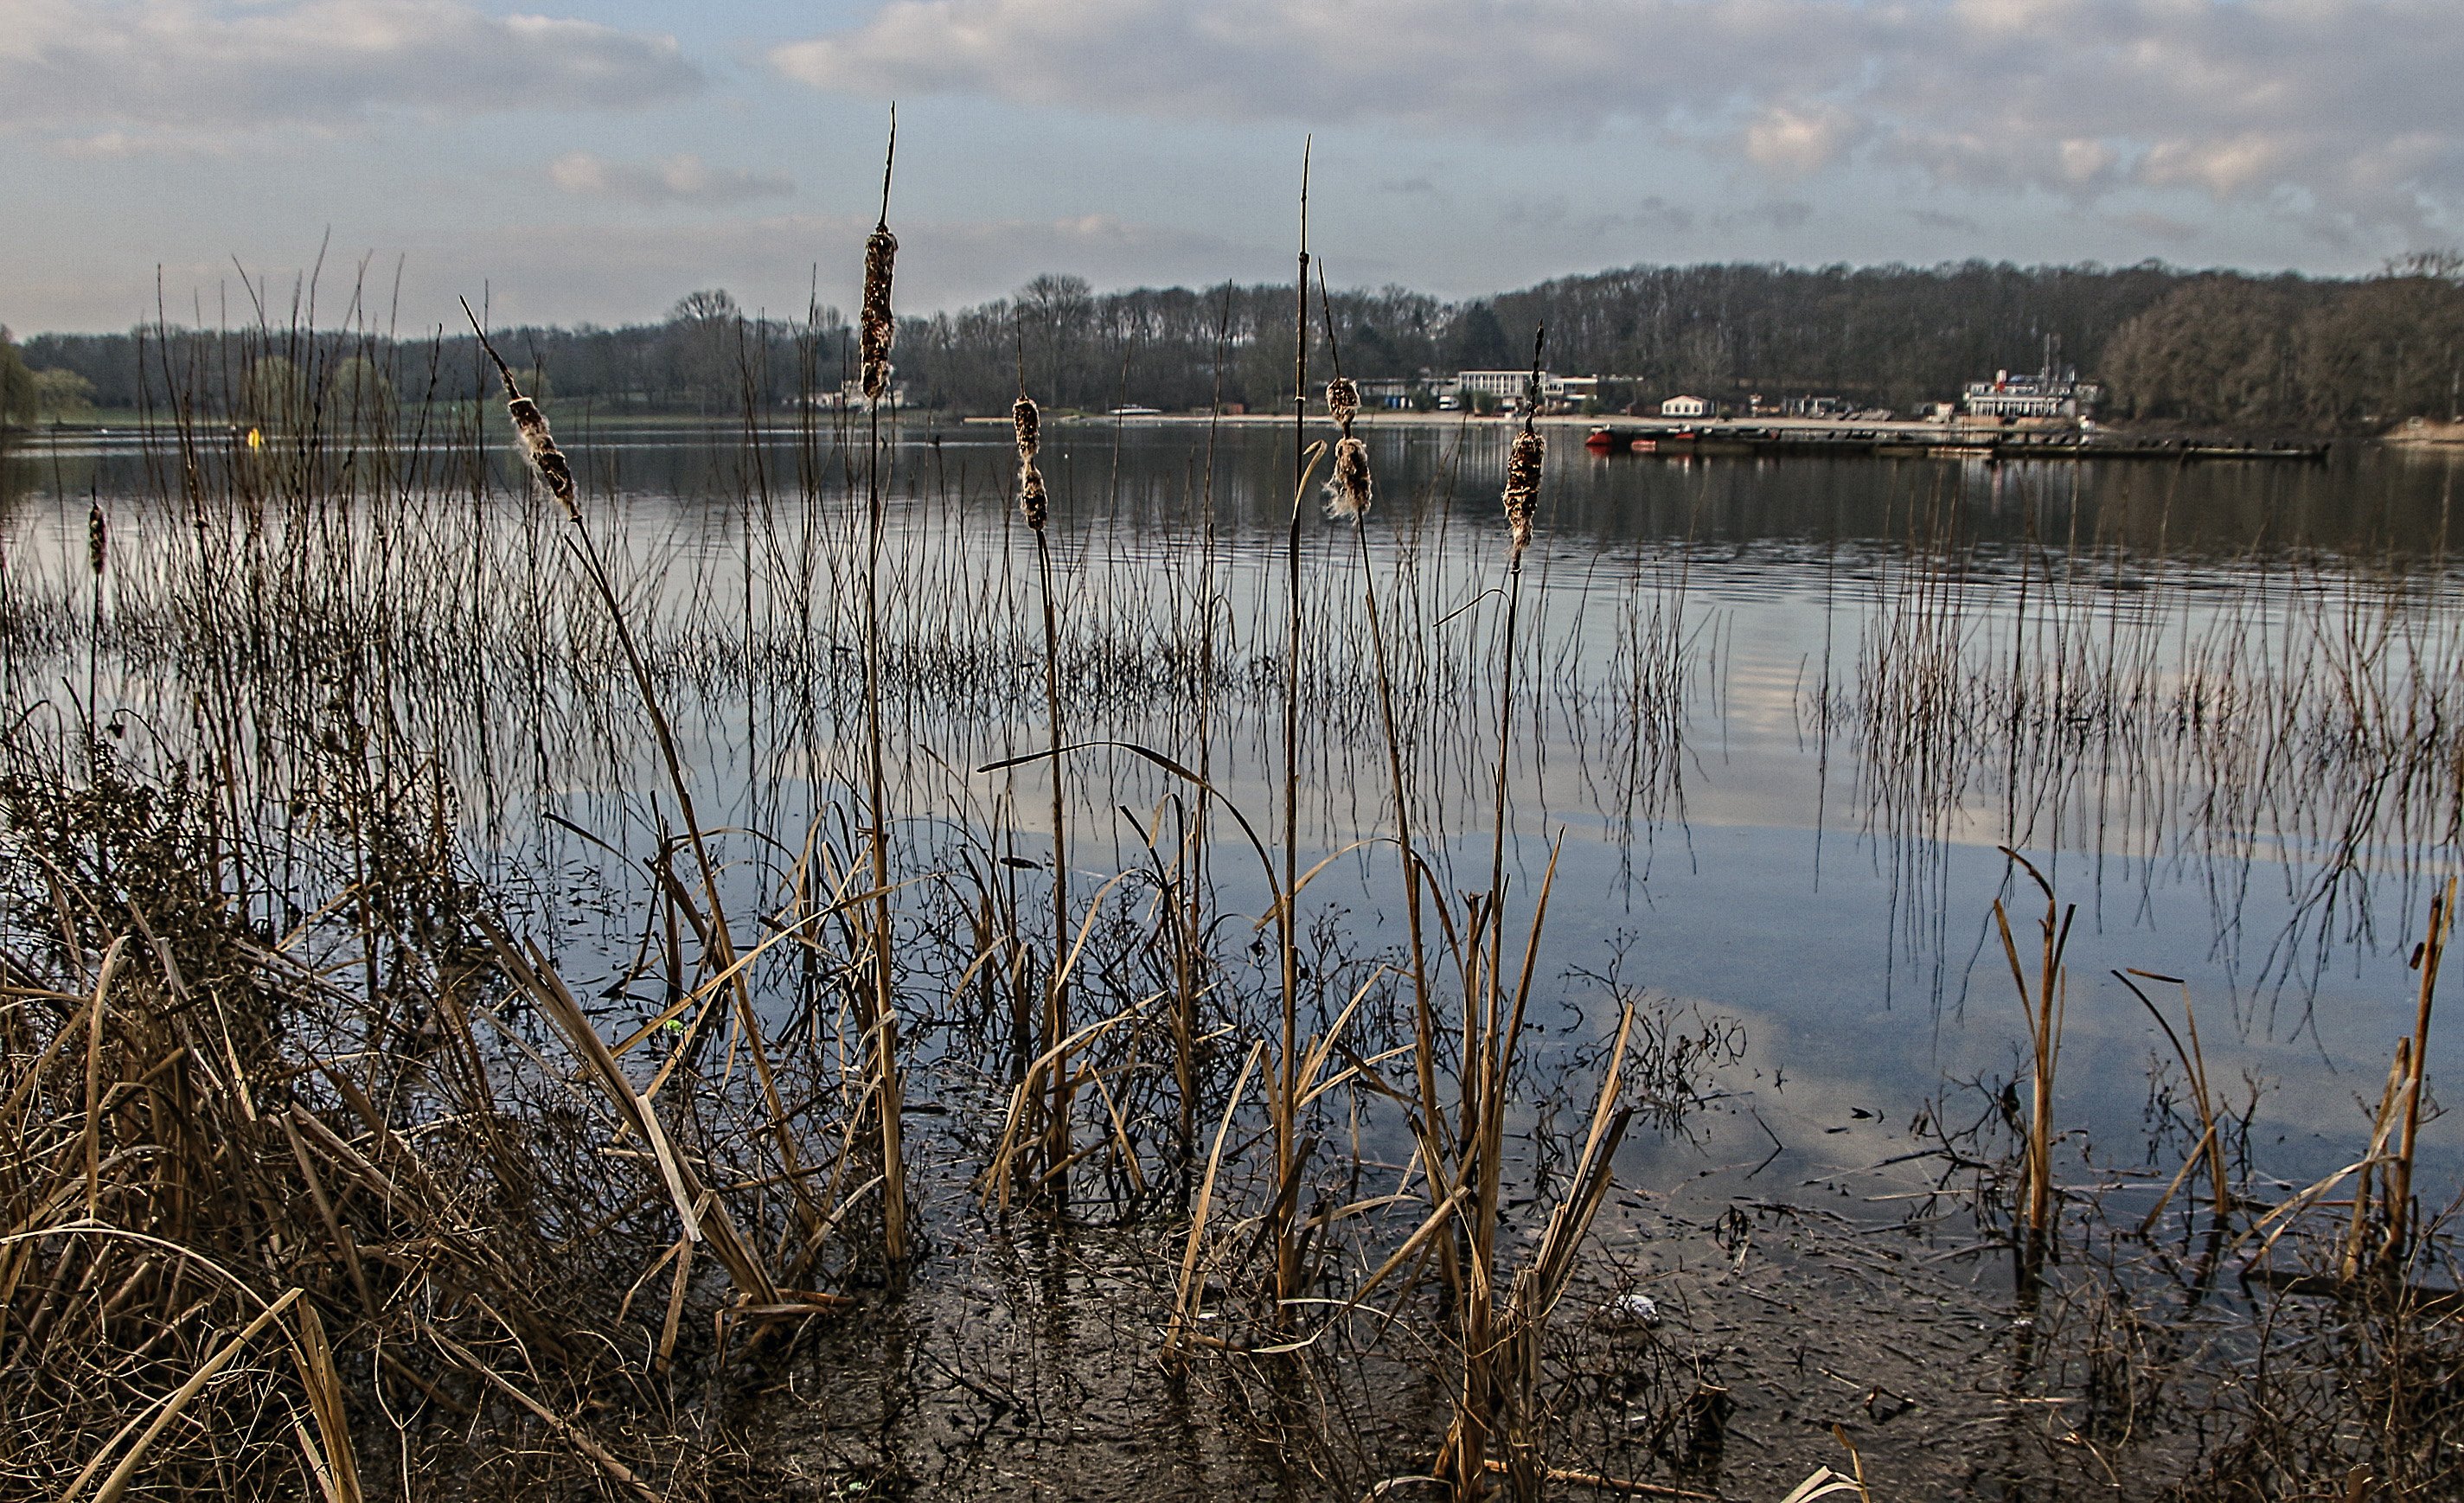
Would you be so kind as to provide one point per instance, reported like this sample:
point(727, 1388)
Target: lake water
point(1775, 719)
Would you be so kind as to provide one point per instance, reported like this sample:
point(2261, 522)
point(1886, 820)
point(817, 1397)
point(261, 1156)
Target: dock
point(1914, 441)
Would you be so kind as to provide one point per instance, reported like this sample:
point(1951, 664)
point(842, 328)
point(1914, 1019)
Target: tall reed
point(879, 1019)
point(1283, 1099)
point(1052, 1169)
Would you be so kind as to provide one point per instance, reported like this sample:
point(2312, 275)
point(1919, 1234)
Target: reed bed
point(405, 1045)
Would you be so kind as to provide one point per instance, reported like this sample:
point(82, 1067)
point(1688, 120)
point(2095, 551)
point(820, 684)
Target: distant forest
point(2198, 347)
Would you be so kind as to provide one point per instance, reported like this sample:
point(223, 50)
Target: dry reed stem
point(2045, 1007)
point(2210, 1147)
point(116, 1483)
point(338, 1474)
point(572, 1434)
point(2399, 1180)
point(1184, 1304)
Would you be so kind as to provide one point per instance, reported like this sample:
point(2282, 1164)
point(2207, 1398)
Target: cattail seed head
point(1349, 493)
point(1342, 401)
point(1032, 502)
point(538, 447)
point(1522, 483)
point(98, 538)
point(530, 428)
point(1022, 417)
point(879, 329)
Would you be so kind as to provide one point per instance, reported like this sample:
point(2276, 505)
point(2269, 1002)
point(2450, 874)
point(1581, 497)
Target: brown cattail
point(530, 428)
point(1022, 417)
point(879, 330)
point(538, 446)
point(1032, 504)
point(98, 538)
point(1522, 483)
point(1348, 493)
point(1342, 401)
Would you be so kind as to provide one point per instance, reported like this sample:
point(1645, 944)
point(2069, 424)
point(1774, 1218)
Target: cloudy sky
point(596, 158)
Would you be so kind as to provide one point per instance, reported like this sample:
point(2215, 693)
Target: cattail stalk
point(880, 1022)
point(97, 551)
point(1350, 489)
point(1287, 1078)
point(547, 462)
point(1035, 506)
point(877, 328)
point(1489, 1043)
point(1349, 494)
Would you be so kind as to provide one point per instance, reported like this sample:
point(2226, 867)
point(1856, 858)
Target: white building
point(1685, 407)
point(1505, 386)
point(2043, 394)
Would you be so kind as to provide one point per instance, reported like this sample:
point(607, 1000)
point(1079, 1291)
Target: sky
point(574, 161)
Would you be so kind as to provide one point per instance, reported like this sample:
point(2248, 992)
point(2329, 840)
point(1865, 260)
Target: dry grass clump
point(315, 1212)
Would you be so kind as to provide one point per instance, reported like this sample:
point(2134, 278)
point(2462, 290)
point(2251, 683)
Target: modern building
point(1393, 394)
point(1501, 385)
point(1505, 388)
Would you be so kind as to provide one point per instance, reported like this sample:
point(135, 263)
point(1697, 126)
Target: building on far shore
point(1505, 387)
point(1685, 407)
point(2044, 394)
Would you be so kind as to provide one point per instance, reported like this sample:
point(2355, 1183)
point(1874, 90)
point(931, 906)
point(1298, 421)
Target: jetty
point(1918, 440)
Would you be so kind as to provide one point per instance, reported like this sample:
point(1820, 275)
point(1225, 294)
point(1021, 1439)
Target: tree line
point(2205, 348)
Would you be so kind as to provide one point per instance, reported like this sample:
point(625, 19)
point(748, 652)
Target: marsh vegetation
point(765, 957)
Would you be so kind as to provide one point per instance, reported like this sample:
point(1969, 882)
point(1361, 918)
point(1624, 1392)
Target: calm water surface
point(1775, 717)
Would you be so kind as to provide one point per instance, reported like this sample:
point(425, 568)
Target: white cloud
point(128, 74)
point(680, 178)
point(1798, 142)
point(2344, 110)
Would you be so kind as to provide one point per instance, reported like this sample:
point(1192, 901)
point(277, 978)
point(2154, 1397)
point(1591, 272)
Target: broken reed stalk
point(547, 462)
point(2208, 1150)
point(2399, 1175)
point(2382, 1126)
point(2045, 1007)
point(1050, 1167)
point(878, 1017)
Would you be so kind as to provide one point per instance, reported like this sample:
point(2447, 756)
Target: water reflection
point(1783, 711)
